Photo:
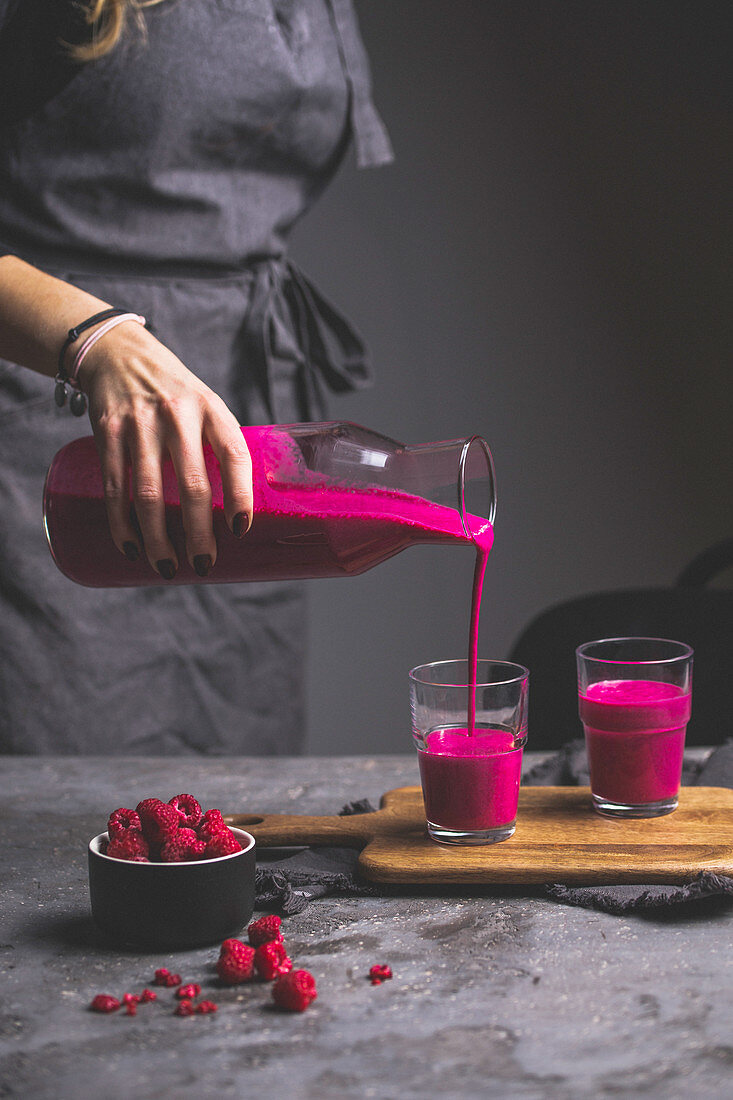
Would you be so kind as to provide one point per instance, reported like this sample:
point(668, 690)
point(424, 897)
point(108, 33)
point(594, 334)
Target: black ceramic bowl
point(172, 905)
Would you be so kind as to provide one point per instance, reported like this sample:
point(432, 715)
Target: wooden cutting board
point(559, 838)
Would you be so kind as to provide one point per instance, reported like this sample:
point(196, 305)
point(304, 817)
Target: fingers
point(235, 465)
point(194, 490)
point(113, 457)
point(146, 458)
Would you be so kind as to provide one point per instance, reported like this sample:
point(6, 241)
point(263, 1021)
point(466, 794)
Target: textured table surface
point(495, 993)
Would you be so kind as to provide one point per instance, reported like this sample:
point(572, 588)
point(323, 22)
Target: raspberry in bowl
point(167, 875)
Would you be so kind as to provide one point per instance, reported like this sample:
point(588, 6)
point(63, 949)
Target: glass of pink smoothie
point(469, 727)
point(635, 699)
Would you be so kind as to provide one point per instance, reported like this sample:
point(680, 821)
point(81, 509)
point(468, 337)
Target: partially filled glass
point(634, 697)
point(469, 741)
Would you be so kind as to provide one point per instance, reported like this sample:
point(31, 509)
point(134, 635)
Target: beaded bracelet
point(63, 379)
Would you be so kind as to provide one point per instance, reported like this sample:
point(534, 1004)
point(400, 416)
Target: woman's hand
point(144, 406)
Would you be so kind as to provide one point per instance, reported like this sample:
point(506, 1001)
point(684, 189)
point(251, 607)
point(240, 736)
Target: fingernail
point(131, 551)
point(202, 564)
point(166, 568)
point(240, 524)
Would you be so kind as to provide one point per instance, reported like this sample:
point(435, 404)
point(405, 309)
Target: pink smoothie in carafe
point(470, 781)
point(635, 738)
point(306, 524)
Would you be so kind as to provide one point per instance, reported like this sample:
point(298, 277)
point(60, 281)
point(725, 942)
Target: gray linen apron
point(165, 179)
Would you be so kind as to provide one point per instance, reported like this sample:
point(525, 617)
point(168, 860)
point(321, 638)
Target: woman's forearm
point(36, 312)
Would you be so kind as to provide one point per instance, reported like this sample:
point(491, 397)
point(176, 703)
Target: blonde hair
point(107, 20)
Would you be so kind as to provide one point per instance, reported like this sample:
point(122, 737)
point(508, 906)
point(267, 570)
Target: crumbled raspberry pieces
point(294, 991)
point(204, 1007)
point(158, 819)
point(184, 1008)
point(380, 973)
point(163, 976)
point(122, 821)
point(103, 1002)
point(188, 991)
point(188, 809)
point(265, 930)
point(130, 1001)
point(235, 964)
point(148, 995)
point(130, 845)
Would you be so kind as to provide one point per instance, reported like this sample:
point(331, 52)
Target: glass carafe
point(330, 499)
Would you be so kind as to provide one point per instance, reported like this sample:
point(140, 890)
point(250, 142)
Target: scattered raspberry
point(159, 820)
point(295, 991)
point(223, 843)
point(131, 1008)
point(121, 821)
point(230, 945)
point(206, 1006)
point(130, 999)
point(271, 960)
point(380, 973)
point(185, 992)
point(148, 995)
point(183, 846)
point(265, 930)
point(237, 964)
point(130, 845)
point(211, 823)
point(185, 1008)
point(164, 977)
point(188, 808)
point(104, 1003)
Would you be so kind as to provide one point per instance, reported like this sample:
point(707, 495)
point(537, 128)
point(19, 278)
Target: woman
point(160, 174)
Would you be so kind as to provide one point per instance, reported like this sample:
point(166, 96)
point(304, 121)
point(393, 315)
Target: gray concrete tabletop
point(495, 992)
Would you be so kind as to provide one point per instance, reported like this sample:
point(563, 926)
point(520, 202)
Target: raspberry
point(294, 991)
point(380, 973)
point(148, 995)
point(185, 1008)
point(184, 846)
point(265, 930)
point(186, 992)
point(271, 961)
point(104, 1003)
point(164, 977)
point(129, 845)
point(237, 964)
point(230, 945)
point(211, 823)
point(206, 1006)
point(223, 843)
point(121, 821)
point(188, 808)
point(159, 820)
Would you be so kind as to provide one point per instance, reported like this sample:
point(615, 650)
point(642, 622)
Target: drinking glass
point(470, 776)
point(634, 700)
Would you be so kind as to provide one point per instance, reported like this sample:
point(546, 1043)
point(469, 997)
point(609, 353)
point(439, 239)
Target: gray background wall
point(548, 264)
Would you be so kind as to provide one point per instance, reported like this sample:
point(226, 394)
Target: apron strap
point(295, 336)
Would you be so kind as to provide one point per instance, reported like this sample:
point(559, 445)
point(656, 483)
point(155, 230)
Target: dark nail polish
point(166, 568)
point(240, 524)
point(131, 551)
point(202, 564)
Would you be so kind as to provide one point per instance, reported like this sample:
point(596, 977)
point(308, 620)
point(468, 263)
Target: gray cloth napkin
point(290, 884)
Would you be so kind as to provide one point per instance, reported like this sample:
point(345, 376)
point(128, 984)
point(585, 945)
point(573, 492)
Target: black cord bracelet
point(78, 401)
